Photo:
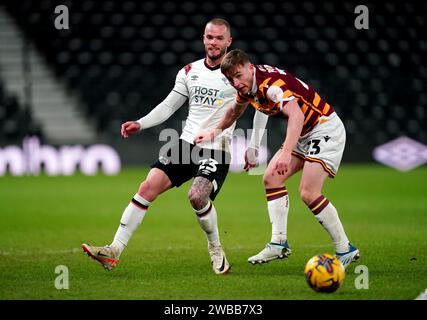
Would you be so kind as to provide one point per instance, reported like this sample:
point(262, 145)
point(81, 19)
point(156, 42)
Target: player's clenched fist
point(130, 127)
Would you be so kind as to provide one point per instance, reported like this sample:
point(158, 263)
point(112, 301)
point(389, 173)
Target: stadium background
point(118, 59)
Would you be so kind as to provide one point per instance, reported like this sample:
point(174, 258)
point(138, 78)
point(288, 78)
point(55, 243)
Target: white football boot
point(103, 255)
point(348, 257)
point(219, 262)
point(272, 251)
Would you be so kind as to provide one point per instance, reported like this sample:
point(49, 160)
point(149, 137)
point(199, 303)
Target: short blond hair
point(233, 59)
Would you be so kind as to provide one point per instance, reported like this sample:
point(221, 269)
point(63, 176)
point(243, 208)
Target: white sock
point(327, 216)
point(278, 208)
point(131, 219)
point(207, 219)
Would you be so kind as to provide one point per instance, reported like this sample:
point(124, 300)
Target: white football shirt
point(209, 95)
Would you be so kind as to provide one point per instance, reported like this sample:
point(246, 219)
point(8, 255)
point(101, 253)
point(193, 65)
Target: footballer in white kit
point(208, 93)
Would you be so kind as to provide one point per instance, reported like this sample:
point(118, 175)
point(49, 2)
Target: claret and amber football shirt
point(311, 104)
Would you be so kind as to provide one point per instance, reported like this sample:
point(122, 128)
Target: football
point(324, 273)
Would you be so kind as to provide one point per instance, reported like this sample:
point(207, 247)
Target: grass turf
point(45, 219)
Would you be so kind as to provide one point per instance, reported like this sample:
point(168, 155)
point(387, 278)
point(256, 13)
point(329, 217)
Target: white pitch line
point(48, 251)
point(79, 250)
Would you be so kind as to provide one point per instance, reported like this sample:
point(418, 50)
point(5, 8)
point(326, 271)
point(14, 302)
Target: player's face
point(216, 40)
point(242, 77)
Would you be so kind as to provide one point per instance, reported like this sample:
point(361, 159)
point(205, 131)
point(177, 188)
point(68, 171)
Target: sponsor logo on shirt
point(208, 96)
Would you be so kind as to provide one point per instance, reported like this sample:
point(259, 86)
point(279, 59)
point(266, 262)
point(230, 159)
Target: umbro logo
point(194, 77)
point(326, 138)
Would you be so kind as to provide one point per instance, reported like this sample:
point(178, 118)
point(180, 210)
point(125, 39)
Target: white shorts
point(324, 144)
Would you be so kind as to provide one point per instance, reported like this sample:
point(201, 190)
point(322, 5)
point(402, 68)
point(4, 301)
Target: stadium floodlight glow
point(403, 154)
point(34, 157)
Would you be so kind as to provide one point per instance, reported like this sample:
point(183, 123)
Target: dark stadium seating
point(122, 56)
point(15, 120)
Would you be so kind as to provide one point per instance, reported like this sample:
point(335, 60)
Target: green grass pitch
point(44, 220)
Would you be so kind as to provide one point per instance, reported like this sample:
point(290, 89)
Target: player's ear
point(251, 70)
point(230, 40)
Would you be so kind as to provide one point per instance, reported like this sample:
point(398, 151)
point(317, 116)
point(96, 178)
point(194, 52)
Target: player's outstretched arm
point(163, 110)
point(230, 116)
point(295, 124)
point(293, 132)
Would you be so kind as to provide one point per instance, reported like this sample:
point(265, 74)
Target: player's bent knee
point(148, 191)
point(156, 183)
point(272, 181)
point(197, 200)
point(266, 179)
point(308, 195)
